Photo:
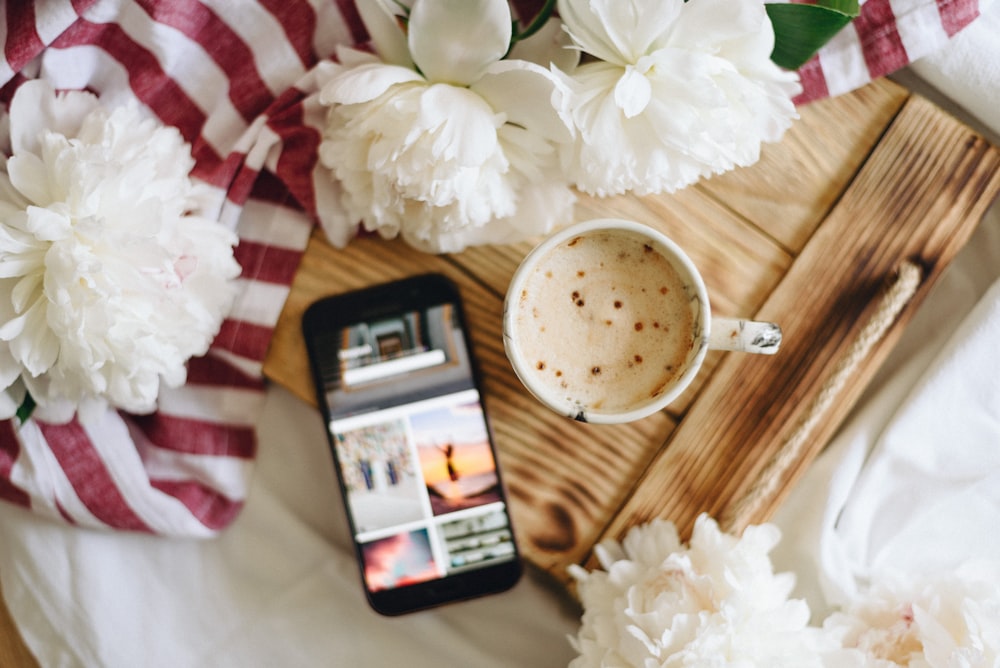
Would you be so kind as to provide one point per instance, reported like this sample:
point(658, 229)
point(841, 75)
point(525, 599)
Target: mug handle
point(747, 336)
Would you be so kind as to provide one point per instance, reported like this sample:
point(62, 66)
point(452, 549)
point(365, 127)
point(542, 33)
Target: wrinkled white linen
point(929, 495)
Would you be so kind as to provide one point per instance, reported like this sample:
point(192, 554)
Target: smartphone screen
point(411, 444)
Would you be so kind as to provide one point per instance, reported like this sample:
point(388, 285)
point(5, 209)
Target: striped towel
point(886, 36)
point(236, 80)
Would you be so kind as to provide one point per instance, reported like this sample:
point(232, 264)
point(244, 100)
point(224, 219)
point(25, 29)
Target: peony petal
point(12, 328)
point(383, 28)
point(364, 83)
point(29, 176)
point(14, 240)
point(632, 92)
point(27, 290)
point(347, 56)
point(48, 224)
point(35, 346)
point(589, 32)
point(12, 390)
point(454, 41)
point(594, 107)
point(19, 264)
point(699, 28)
point(518, 88)
point(11, 198)
point(639, 27)
point(49, 408)
point(37, 109)
point(542, 206)
point(586, 31)
point(464, 125)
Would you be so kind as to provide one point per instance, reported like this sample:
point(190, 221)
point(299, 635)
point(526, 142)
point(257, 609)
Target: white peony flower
point(679, 90)
point(951, 620)
point(442, 140)
point(109, 281)
point(715, 602)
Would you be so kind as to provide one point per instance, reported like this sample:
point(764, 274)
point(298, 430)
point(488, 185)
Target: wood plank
point(919, 196)
point(793, 186)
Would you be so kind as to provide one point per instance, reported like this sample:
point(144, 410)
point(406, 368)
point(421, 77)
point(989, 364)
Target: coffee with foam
point(604, 320)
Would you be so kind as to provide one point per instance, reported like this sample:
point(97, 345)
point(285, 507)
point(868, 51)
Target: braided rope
point(896, 296)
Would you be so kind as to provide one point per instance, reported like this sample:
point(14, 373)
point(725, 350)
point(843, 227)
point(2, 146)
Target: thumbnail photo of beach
point(454, 452)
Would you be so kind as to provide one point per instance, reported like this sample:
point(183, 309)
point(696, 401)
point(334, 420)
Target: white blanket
point(280, 587)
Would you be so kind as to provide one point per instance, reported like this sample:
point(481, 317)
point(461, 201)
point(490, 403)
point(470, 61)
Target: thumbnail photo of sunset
point(454, 453)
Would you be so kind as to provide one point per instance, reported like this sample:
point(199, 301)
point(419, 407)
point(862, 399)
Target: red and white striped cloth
point(235, 79)
point(886, 36)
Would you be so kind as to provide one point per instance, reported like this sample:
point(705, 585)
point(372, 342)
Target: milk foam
point(604, 320)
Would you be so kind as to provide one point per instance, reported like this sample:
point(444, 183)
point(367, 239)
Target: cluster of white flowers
point(714, 602)
point(717, 602)
point(109, 280)
point(446, 138)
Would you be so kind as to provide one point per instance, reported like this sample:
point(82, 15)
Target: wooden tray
point(808, 238)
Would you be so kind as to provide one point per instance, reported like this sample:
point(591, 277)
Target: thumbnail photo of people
point(383, 487)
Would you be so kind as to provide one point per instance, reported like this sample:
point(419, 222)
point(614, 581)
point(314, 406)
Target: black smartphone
point(412, 447)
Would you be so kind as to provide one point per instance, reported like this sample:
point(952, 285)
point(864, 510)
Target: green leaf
point(802, 30)
point(26, 408)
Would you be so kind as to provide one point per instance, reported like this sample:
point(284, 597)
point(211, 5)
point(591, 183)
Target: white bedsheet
point(280, 587)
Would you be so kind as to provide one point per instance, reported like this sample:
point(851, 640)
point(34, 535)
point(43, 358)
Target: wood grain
point(918, 196)
point(792, 188)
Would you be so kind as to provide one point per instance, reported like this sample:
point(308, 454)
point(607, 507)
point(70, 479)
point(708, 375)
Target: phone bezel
point(338, 311)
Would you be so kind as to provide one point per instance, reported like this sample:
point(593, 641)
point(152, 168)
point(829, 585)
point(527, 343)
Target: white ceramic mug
point(608, 321)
